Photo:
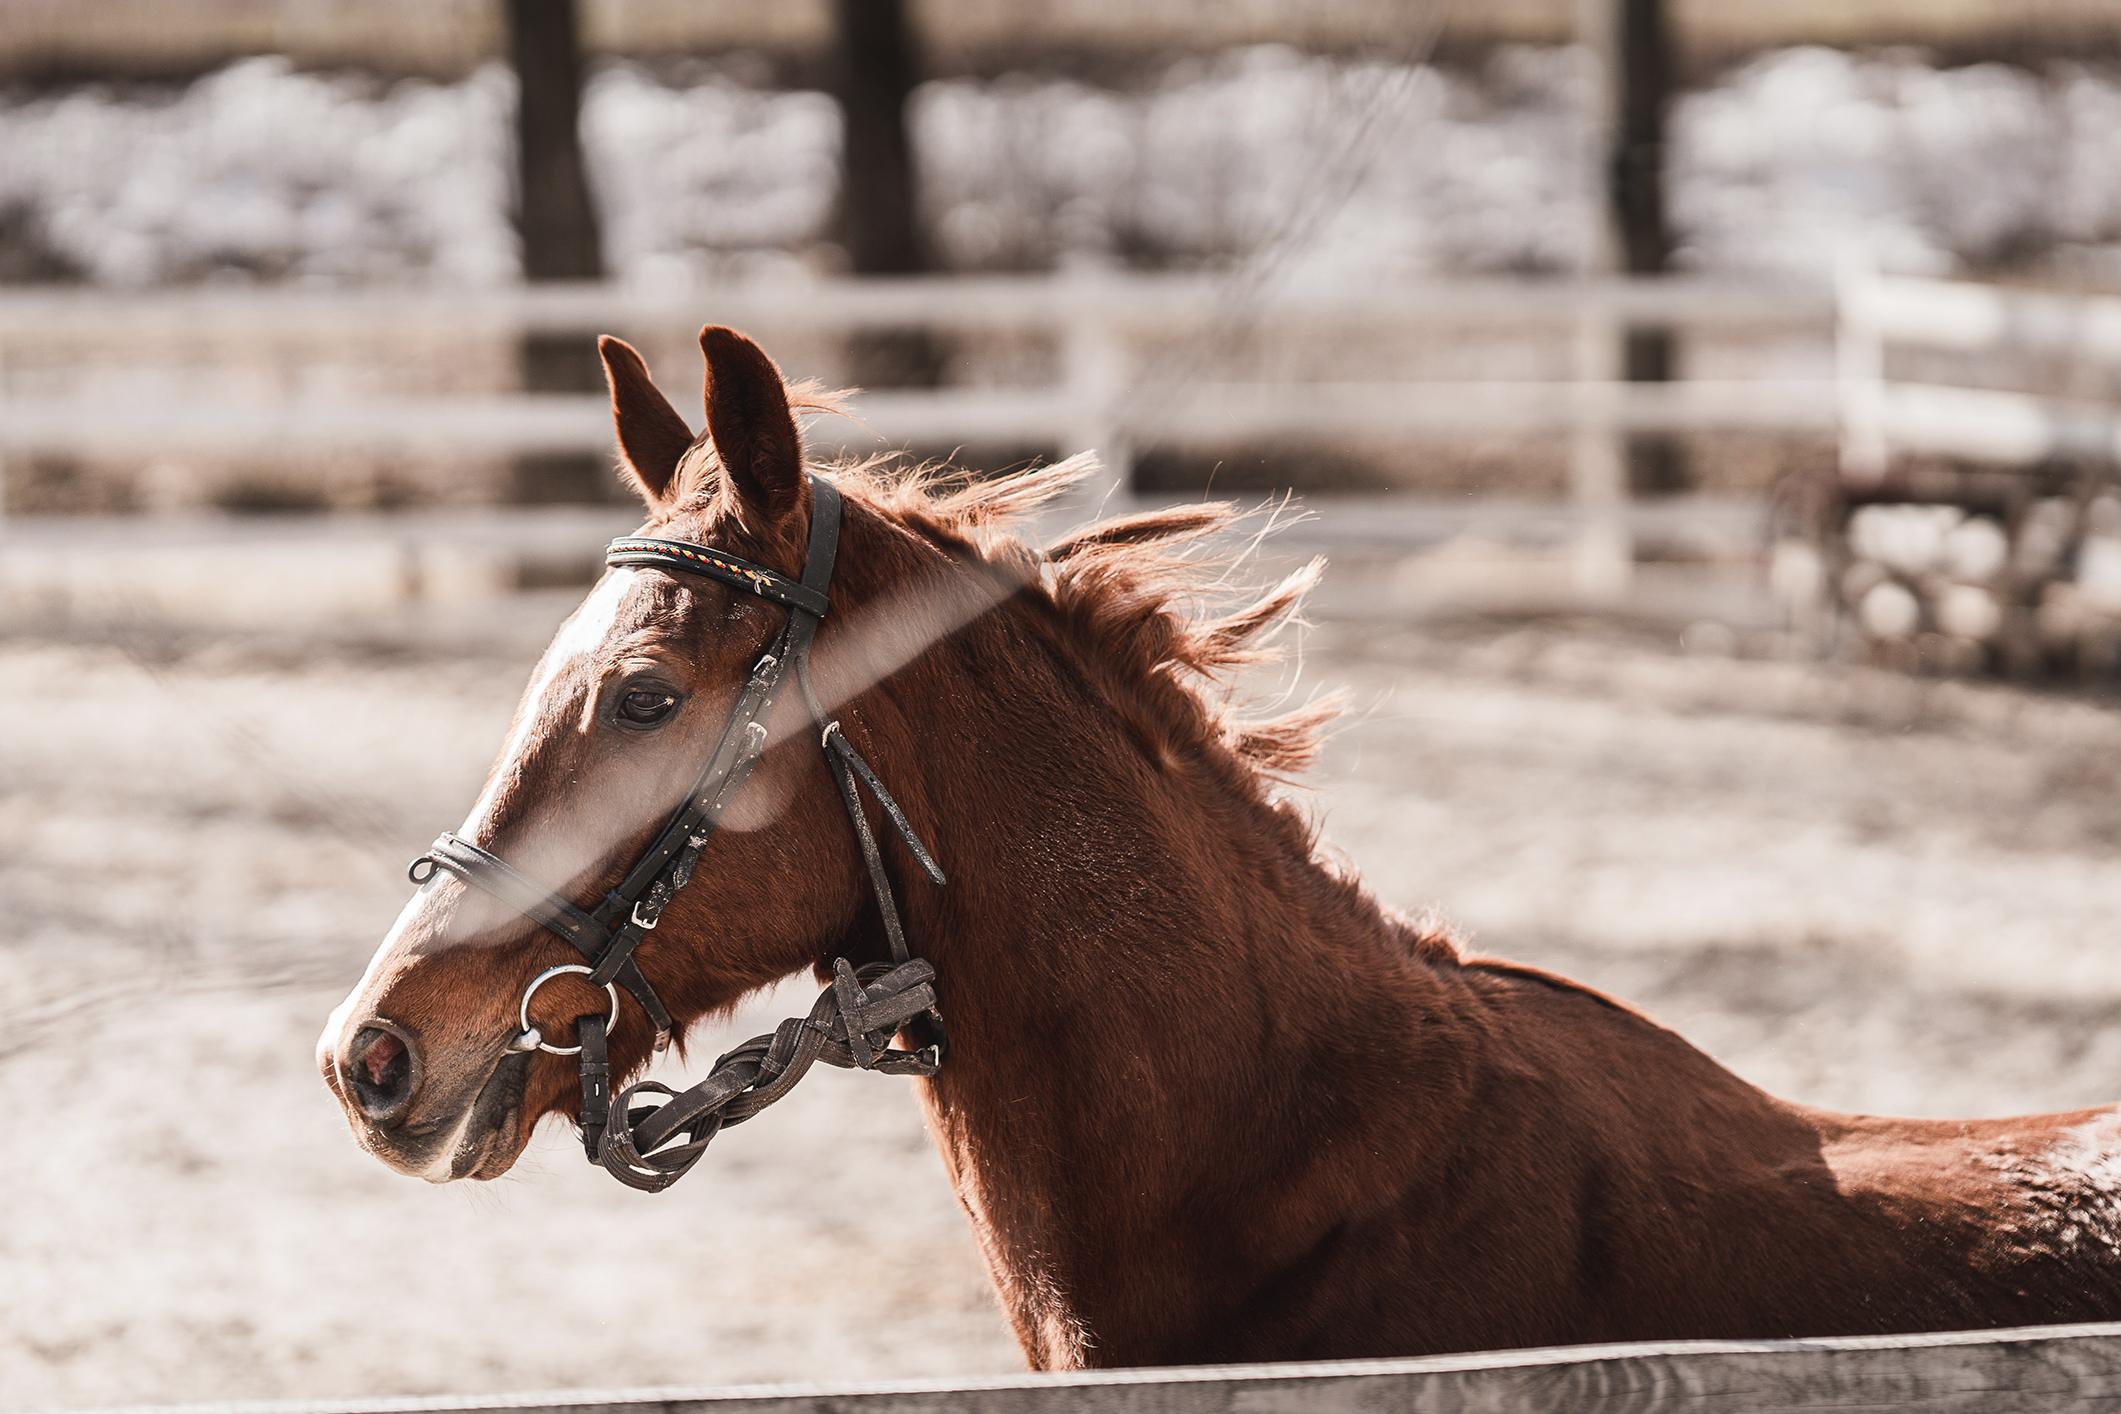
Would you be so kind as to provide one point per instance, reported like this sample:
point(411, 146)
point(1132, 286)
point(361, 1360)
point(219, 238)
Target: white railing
point(1879, 417)
point(1108, 396)
point(1098, 401)
point(1112, 395)
point(1103, 397)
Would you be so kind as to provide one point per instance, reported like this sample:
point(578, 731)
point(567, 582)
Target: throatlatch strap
point(843, 750)
point(872, 857)
point(844, 759)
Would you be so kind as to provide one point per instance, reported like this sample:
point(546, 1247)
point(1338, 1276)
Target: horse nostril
point(382, 1070)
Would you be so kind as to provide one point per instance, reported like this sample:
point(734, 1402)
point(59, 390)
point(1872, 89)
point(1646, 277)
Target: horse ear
point(752, 429)
point(652, 437)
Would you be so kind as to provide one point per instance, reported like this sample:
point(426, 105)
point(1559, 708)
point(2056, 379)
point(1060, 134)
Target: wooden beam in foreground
point(2051, 1369)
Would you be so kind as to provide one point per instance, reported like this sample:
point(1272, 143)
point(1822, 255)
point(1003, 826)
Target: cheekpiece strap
point(595, 1068)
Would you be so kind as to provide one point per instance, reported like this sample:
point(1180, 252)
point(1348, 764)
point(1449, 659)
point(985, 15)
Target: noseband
point(857, 1016)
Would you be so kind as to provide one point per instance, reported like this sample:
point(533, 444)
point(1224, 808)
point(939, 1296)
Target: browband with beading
point(688, 558)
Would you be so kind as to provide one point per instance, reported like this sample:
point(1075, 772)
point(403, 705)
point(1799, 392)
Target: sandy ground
point(1857, 890)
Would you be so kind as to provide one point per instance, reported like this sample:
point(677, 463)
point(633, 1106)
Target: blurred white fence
point(1099, 399)
point(1879, 417)
point(1118, 388)
point(1097, 402)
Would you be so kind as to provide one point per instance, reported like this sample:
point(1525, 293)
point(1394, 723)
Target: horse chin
point(494, 1134)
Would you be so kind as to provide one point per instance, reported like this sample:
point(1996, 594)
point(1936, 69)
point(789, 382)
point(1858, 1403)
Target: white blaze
point(582, 634)
point(335, 1024)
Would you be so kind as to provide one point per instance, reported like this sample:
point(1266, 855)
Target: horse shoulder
point(1703, 1205)
point(1662, 1193)
point(1560, 1155)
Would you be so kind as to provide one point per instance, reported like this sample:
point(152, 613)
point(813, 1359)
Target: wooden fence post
point(1859, 373)
point(1604, 551)
point(1604, 557)
point(1093, 379)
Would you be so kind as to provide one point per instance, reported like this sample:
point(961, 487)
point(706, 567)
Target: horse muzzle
point(421, 1116)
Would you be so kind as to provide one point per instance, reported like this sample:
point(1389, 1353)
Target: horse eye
point(646, 706)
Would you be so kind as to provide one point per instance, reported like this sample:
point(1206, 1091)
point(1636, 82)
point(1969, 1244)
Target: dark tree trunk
point(876, 77)
point(1645, 61)
point(557, 225)
point(879, 220)
point(554, 216)
point(1643, 57)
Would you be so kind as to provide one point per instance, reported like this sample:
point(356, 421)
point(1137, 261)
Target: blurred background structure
point(1536, 303)
point(1709, 408)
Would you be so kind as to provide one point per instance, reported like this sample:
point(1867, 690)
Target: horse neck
point(1094, 859)
point(1138, 960)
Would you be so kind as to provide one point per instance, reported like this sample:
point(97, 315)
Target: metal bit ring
point(523, 1011)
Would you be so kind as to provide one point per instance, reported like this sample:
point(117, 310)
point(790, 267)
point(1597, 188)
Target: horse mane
point(1152, 604)
point(1146, 596)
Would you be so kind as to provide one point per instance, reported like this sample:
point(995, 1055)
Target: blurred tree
point(877, 66)
point(1645, 62)
point(554, 215)
point(557, 224)
point(1643, 77)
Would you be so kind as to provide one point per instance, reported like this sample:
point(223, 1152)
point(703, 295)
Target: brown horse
point(1206, 1100)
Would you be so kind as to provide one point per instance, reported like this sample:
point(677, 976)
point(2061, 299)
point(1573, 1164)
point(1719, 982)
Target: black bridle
point(858, 1015)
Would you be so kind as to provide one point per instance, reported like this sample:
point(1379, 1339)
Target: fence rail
point(2051, 1369)
point(557, 422)
point(1157, 302)
point(1096, 403)
point(1097, 395)
point(1097, 400)
point(1117, 388)
point(1952, 315)
point(1981, 424)
point(1108, 397)
point(1879, 417)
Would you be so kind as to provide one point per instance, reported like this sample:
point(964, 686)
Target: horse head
point(427, 1055)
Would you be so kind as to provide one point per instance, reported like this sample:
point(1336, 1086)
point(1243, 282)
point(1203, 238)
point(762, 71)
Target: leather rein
point(855, 1018)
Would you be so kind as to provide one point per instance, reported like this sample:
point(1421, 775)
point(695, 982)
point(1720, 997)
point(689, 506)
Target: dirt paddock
point(1860, 891)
